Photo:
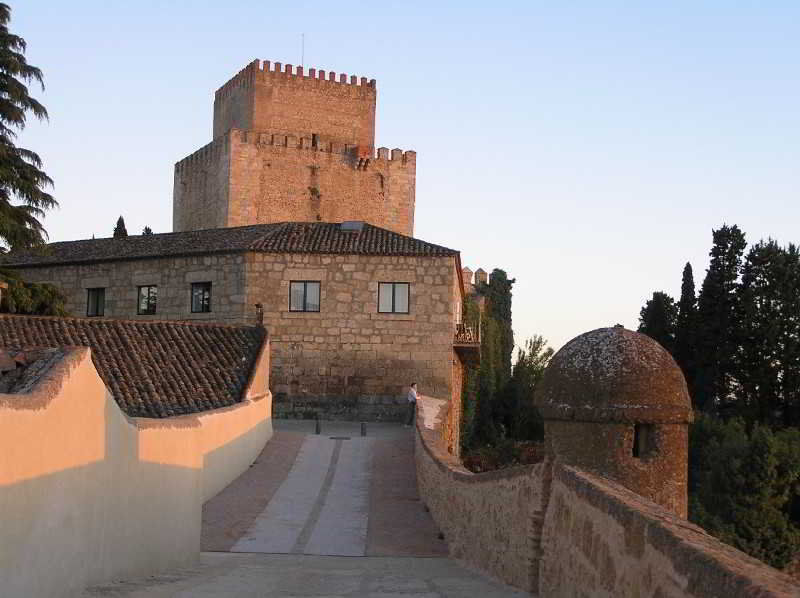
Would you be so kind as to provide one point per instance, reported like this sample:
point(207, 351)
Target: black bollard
point(318, 427)
point(363, 428)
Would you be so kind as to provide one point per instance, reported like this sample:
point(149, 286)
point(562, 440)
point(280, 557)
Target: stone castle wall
point(557, 531)
point(346, 361)
point(174, 277)
point(294, 146)
point(287, 99)
point(348, 349)
point(249, 177)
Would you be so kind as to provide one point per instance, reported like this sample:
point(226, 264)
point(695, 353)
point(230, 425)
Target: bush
point(743, 486)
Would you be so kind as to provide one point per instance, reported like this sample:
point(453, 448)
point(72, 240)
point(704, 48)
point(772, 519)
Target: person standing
point(412, 404)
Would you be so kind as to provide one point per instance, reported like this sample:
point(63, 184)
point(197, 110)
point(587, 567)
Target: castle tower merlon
point(294, 144)
point(267, 96)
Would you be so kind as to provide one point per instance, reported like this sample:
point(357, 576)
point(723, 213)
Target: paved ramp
point(291, 524)
point(323, 505)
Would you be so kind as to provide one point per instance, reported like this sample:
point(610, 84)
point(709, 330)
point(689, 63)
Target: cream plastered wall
point(559, 532)
point(88, 495)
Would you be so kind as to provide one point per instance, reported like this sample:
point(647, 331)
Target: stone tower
point(291, 145)
point(615, 402)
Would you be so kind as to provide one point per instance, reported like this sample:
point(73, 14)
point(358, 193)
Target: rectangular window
point(304, 295)
point(201, 297)
point(393, 297)
point(146, 305)
point(644, 441)
point(95, 302)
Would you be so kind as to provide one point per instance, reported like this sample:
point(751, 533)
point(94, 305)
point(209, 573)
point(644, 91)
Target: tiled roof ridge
point(292, 237)
point(152, 368)
point(367, 228)
point(131, 321)
point(173, 232)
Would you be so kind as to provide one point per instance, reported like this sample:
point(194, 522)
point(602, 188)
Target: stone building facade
point(291, 145)
point(348, 359)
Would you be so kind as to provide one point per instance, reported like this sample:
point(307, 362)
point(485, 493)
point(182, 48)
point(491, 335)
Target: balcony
point(467, 343)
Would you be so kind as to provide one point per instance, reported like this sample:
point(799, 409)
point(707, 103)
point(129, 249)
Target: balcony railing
point(466, 335)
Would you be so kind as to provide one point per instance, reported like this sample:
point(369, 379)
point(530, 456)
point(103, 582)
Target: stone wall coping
point(429, 429)
point(49, 384)
point(711, 567)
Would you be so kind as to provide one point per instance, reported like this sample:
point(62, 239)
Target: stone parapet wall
point(367, 409)
point(90, 496)
point(559, 532)
point(491, 521)
point(603, 540)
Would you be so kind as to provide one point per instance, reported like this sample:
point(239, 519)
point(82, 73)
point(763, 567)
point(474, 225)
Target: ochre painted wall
point(88, 495)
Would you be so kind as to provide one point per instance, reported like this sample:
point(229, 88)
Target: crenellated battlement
point(265, 70)
point(323, 145)
point(206, 154)
point(291, 143)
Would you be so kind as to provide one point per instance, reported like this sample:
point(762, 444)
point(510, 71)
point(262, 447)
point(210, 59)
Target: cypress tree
point(657, 319)
point(685, 335)
point(119, 229)
point(716, 310)
point(768, 359)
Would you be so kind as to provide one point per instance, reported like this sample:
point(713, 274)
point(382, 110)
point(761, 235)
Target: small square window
point(201, 297)
point(304, 295)
point(393, 297)
point(146, 304)
point(95, 302)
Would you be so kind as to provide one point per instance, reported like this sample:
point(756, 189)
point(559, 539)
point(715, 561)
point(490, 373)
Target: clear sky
point(587, 148)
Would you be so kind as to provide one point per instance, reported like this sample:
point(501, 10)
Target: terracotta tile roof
point(281, 237)
point(330, 237)
point(153, 369)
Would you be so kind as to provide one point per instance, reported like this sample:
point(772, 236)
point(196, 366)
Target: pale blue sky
point(588, 148)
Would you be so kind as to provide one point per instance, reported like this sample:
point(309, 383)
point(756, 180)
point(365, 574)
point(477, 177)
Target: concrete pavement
point(293, 523)
point(288, 576)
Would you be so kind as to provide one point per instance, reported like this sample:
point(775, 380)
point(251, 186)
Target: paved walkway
point(291, 524)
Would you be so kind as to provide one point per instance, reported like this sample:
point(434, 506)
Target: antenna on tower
point(303, 50)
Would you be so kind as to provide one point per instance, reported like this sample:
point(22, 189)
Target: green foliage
point(716, 336)
point(147, 231)
point(743, 486)
point(119, 229)
point(685, 328)
point(658, 319)
point(498, 399)
point(767, 363)
point(23, 200)
point(531, 363)
point(32, 298)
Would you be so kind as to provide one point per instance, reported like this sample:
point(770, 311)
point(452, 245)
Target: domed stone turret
point(615, 402)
